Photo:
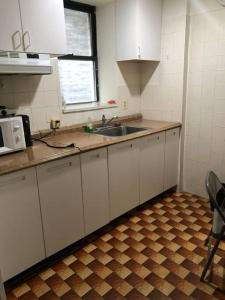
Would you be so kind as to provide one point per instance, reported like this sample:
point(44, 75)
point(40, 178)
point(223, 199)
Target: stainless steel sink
point(118, 131)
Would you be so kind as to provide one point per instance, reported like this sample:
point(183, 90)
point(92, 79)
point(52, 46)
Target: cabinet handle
point(139, 52)
point(27, 33)
point(15, 47)
point(153, 139)
point(13, 180)
point(59, 167)
point(95, 156)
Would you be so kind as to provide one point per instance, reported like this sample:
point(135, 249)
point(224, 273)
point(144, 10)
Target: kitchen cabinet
point(123, 177)
point(94, 168)
point(33, 26)
point(43, 24)
point(10, 24)
point(61, 203)
point(138, 29)
point(21, 235)
point(171, 158)
point(151, 157)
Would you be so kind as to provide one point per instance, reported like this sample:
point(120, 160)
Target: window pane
point(78, 32)
point(77, 81)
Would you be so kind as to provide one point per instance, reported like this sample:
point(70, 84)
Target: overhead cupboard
point(46, 208)
point(33, 26)
point(138, 30)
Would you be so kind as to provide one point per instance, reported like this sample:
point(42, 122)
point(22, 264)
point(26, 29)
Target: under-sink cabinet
point(123, 177)
point(61, 203)
point(151, 159)
point(22, 243)
point(94, 169)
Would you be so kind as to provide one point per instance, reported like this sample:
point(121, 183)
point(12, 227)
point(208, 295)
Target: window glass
point(78, 32)
point(77, 81)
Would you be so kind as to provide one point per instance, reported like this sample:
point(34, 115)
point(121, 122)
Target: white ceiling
point(95, 2)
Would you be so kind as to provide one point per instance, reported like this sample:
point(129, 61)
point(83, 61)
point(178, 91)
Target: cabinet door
point(95, 189)
point(150, 17)
point(11, 32)
point(171, 158)
point(126, 30)
point(43, 25)
point(123, 177)
point(138, 29)
point(61, 203)
point(151, 166)
point(21, 235)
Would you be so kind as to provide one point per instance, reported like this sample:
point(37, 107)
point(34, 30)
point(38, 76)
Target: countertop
point(40, 153)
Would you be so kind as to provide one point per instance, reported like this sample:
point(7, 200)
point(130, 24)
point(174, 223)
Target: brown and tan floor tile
point(158, 253)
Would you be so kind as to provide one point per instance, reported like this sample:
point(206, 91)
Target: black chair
point(216, 191)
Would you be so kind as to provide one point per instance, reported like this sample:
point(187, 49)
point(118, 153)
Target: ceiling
point(95, 2)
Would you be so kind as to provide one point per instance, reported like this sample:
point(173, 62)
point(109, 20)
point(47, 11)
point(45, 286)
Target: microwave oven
point(12, 136)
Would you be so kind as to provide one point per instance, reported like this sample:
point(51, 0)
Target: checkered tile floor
point(156, 254)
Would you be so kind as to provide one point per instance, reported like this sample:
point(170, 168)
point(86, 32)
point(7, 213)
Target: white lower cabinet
point(21, 233)
point(94, 170)
point(171, 158)
point(61, 203)
point(123, 177)
point(43, 211)
point(151, 158)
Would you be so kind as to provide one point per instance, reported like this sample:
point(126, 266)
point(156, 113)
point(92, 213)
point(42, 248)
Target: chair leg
point(209, 261)
point(208, 238)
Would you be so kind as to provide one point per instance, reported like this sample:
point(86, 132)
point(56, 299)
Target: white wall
point(39, 96)
point(205, 110)
point(162, 83)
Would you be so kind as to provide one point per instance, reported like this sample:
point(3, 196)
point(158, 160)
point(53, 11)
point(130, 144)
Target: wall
point(205, 108)
point(162, 83)
point(39, 96)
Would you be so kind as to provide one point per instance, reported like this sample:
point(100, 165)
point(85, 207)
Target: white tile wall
point(162, 83)
point(39, 96)
point(205, 111)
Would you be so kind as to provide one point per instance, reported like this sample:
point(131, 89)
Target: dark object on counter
point(27, 132)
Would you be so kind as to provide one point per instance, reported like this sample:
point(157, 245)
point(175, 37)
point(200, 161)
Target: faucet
point(106, 123)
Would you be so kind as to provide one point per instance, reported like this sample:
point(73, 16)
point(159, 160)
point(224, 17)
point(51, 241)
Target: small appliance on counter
point(15, 131)
point(26, 128)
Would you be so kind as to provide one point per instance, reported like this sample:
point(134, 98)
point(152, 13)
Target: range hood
point(24, 63)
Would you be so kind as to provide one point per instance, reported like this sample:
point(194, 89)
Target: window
point(78, 70)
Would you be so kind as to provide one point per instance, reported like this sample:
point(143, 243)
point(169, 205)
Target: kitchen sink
point(118, 131)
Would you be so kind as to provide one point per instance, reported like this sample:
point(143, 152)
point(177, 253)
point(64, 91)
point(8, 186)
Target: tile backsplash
point(162, 83)
point(40, 98)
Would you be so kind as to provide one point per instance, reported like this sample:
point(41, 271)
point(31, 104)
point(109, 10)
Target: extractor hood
point(24, 63)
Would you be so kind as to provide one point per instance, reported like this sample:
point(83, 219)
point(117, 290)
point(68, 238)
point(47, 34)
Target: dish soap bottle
point(89, 125)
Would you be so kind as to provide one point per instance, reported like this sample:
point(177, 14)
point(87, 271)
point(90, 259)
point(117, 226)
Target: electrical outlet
point(124, 104)
point(55, 123)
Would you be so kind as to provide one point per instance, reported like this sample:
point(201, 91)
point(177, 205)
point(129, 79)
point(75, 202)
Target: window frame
point(91, 10)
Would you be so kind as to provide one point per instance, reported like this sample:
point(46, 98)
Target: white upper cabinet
point(33, 26)
point(43, 25)
point(10, 24)
point(138, 29)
